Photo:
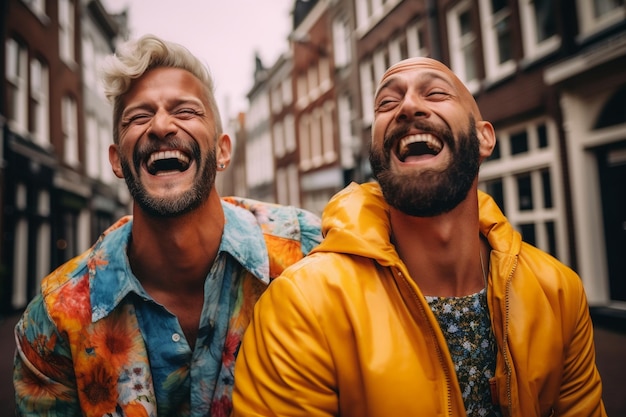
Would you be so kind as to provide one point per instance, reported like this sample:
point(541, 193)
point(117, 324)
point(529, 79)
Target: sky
point(224, 34)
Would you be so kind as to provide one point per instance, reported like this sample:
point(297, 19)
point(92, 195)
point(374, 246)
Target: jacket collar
point(356, 221)
point(111, 278)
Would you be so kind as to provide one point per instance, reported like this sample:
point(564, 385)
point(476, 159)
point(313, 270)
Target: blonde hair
point(136, 57)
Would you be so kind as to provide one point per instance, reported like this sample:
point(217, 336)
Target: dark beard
point(178, 204)
point(430, 193)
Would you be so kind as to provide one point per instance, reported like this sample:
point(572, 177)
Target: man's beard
point(176, 204)
point(430, 193)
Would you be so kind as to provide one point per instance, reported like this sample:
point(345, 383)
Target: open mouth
point(164, 162)
point(418, 145)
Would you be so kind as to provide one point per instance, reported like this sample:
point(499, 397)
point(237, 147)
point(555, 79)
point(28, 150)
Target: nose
point(413, 106)
point(162, 124)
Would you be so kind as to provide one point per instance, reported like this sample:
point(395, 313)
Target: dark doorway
point(612, 170)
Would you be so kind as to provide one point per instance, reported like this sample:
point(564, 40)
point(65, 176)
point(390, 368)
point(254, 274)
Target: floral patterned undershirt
point(466, 327)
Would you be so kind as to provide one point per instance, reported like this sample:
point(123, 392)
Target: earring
point(222, 166)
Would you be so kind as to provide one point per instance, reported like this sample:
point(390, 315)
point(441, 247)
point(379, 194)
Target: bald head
point(429, 64)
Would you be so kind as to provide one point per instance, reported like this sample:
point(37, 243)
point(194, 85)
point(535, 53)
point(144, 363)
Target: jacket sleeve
point(581, 389)
point(283, 367)
point(43, 374)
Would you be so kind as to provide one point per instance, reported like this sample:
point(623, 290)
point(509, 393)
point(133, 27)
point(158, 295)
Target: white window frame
point(17, 76)
point(489, 26)
point(342, 46)
point(69, 112)
point(92, 157)
point(279, 139)
point(459, 42)
point(368, 89)
point(328, 137)
point(590, 24)
point(290, 133)
point(534, 49)
point(414, 40)
point(317, 157)
point(67, 27)
point(305, 142)
point(39, 93)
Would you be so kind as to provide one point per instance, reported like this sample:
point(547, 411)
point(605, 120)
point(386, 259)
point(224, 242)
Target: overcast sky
point(225, 34)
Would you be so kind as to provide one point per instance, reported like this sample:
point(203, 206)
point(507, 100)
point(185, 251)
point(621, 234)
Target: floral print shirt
point(95, 343)
point(465, 323)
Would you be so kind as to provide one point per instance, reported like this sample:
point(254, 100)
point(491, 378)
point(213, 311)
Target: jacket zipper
point(434, 337)
point(507, 361)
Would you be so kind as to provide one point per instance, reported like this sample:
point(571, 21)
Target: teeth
point(429, 140)
point(157, 156)
point(420, 144)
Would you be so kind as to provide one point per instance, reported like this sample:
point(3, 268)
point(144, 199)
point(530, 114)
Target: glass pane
point(519, 142)
point(546, 19)
point(497, 5)
point(550, 234)
point(495, 189)
point(603, 7)
point(524, 192)
point(470, 63)
point(528, 233)
point(503, 30)
point(542, 136)
point(546, 184)
point(465, 23)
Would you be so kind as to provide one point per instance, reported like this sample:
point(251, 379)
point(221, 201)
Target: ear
point(114, 159)
point(224, 148)
point(486, 139)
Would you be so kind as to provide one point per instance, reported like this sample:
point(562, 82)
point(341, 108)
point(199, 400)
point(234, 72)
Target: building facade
point(55, 201)
point(550, 75)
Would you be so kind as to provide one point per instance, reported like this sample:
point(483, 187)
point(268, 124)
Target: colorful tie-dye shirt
point(94, 343)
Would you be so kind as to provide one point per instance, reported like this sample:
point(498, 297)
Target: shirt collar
point(111, 278)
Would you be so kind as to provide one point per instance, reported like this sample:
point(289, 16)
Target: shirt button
point(176, 337)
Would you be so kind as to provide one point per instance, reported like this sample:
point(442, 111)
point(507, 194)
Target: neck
point(443, 253)
point(176, 254)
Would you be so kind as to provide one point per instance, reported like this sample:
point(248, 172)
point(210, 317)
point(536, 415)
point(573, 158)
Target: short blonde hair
point(136, 57)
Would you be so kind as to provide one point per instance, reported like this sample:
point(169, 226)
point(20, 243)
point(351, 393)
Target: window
point(89, 64)
point(368, 89)
point(287, 94)
point(279, 140)
point(305, 142)
point(415, 40)
point(290, 133)
point(342, 46)
point(40, 103)
point(104, 138)
point(496, 27)
point(525, 182)
point(70, 130)
point(596, 15)
point(328, 138)
point(539, 33)
point(66, 30)
point(17, 92)
point(344, 114)
point(463, 44)
point(92, 157)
